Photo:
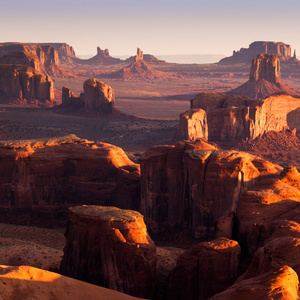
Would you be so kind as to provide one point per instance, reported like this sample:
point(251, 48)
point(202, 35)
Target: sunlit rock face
point(40, 179)
point(192, 125)
point(110, 247)
point(26, 282)
point(205, 269)
point(232, 118)
point(281, 283)
point(190, 185)
point(23, 84)
point(98, 96)
point(270, 210)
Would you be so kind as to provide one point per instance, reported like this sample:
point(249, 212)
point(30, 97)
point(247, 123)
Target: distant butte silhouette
point(264, 79)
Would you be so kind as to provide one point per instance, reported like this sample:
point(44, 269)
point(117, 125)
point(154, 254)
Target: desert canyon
point(138, 178)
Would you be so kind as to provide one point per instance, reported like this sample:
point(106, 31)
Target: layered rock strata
point(40, 179)
point(111, 248)
point(190, 185)
point(23, 84)
point(233, 118)
point(204, 270)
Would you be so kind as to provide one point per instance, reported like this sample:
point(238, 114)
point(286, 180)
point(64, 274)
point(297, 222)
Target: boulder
point(190, 185)
point(110, 247)
point(30, 283)
point(205, 269)
point(192, 125)
point(24, 84)
point(40, 179)
point(280, 284)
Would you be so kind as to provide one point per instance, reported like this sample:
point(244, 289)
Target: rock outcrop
point(70, 99)
point(264, 79)
point(140, 70)
point(40, 179)
point(281, 284)
point(273, 206)
point(30, 283)
point(190, 185)
point(25, 85)
point(204, 270)
point(231, 118)
point(110, 247)
point(245, 55)
point(43, 56)
point(98, 96)
point(101, 58)
point(192, 125)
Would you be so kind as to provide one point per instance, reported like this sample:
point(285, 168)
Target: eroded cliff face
point(23, 84)
point(232, 119)
point(204, 270)
point(190, 185)
point(110, 247)
point(98, 96)
point(43, 57)
point(41, 178)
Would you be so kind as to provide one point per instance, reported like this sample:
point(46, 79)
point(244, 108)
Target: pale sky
point(155, 26)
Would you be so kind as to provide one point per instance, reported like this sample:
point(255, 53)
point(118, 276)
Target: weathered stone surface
point(69, 98)
point(224, 226)
point(276, 253)
point(30, 283)
point(264, 79)
point(45, 57)
point(139, 55)
point(21, 58)
point(192, 125)
point(25, 85)
point(41, 178)
point(110, 247)
point(190, 185)
point(205, 269)
point(263, 210)
point(281, 284)
point(245, 55)
point(232, 119)
point(98, 96)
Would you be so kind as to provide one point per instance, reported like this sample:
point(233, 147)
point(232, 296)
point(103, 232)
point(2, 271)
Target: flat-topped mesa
point(265, 66)
point(25, 85)
point(98, 96)
point(77, 172)
point(102, 53)
point(245, 55)
point(110, 247)
point(139, 55)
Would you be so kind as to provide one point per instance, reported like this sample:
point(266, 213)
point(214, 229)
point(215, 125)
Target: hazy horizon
point(162, 27)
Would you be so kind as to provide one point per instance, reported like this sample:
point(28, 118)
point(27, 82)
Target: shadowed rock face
point(40, 179)
point(25, 85)
point(264, 79)
point(281, 283)
point(205, 269)
point(111, 248)
point(192, 184)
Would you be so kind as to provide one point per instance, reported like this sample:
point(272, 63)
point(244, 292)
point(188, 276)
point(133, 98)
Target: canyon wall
point(41, 178)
